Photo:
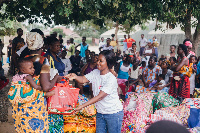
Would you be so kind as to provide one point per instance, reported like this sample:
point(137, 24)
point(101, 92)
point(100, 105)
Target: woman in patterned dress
point(149, 75)
point(32, 116)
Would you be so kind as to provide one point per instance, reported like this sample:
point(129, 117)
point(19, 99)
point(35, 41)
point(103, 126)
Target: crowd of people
point(40, 62)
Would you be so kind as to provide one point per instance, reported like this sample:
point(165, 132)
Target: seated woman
point(180, 84)
point(54, 48)
point(149, 74)
point(168, 75)
point(90, 66)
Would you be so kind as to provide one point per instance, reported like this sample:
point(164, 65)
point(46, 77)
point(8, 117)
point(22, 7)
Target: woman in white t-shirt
point(104, 85)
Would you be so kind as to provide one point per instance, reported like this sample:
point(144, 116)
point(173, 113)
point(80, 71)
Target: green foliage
point(59, 31)
point(7, 27)
point(89, 29)
point(175, 11)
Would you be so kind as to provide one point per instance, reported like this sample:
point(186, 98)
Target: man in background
point(142, 44)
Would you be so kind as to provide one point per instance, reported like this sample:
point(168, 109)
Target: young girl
point(23, 83)
point(122, 71)
point(193, 60)
point(104, 85)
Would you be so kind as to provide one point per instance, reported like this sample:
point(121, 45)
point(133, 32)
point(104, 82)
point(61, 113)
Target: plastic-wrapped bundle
point(162, 100)
point(136, 106)
point(182, 112)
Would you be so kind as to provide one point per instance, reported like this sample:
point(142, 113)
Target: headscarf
point(34, 40)
point(188, 43)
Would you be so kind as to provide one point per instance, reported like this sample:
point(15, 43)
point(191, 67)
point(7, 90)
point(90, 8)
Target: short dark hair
point(22, 61)
point(184, 48)
point(38, 31)
point(64, 51)
point(162, 59)
point(194, 57)
point(110, 57)
point(173, 46)
point(71, 40)
point(162, 76)
point(112, 35)
point(84, 37)
point(19, 29)
point(51, 40)
point(143, 63)
point(60, 36)
point(77, 51)
point(153, 57)
point(142, 34)
point(173, 58)
point(133, 43)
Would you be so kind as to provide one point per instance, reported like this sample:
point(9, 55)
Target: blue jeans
point(109, 122)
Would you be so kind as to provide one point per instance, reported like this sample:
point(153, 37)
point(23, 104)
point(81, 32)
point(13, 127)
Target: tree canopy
point(125, 13)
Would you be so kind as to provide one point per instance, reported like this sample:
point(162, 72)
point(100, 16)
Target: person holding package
point(109, 108)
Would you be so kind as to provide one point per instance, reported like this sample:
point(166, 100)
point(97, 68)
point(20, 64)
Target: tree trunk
point(188, 25)
point(196, 38)
point(116, 30)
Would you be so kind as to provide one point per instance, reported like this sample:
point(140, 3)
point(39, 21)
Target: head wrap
point(191, 52)
point(34, 40)
point(188, 43)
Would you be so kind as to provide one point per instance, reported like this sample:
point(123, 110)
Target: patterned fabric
point(162, 100)
point(150, 75)
point(34, 41)
point(56, 123)
point(182, 112)
point(180, 88)
point(136, 106)
point(192, 102)
point(187, 71)
point(196, 93)
point(141, 89)
point(29, 107)
point(18, 77)
point(21, 92)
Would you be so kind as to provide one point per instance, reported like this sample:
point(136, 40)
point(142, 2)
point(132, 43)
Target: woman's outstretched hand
point(71, 76)
point(78, 109)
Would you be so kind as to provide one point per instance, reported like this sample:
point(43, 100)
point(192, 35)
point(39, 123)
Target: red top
point(129, 42)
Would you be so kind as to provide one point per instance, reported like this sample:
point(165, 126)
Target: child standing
point(24, 83)
point(66, 61)
point(84, 46)
point(193, 60)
